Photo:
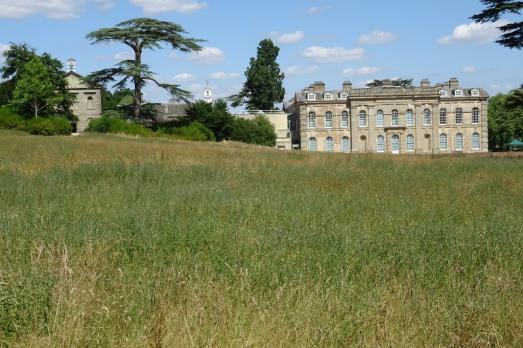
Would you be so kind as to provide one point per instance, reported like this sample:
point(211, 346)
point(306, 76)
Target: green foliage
point(513, 31)
point(140, 34)
point(108, 124)
point(12, 71)
point(395, 82)
point(257, 131)
point(264, 84)
point(505, 119)
point(215, 117)
point(112, 101)
point(53, 125)
point(9, 119)
point(194, 131)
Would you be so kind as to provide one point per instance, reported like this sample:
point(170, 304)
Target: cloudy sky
point(328, 40)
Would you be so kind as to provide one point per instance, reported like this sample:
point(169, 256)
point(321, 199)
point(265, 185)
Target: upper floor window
point(443, 144)
point(409, 118)
point(328, 119)
point(476, 144)
point(459, 116)
point(426, 117)
point(345, 144)
point(475, 92)
point(410, 142)
point(311, 120)
point(458, 93)
point(380, 144)
point(344, 119)
point(459, 142)
point(329, 144)
point(379, 118)
point(443, 93)
point(363, 119)
point(311, 96)
point(90, 103)
point(443, 116)
point(327, 96)
point(344, 95)
point(395, 120)
point(475, 115)
point(313, 145)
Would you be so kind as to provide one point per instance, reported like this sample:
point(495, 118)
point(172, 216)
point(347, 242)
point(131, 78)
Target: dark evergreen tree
point(264, 85)
point(512, 32)
point(396, 82)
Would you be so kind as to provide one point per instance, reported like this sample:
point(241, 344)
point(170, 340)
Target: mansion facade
point(444, 118)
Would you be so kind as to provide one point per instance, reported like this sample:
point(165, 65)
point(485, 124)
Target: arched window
point(328, 119)
point(329, 144)
point(443, 116)
point(312, 120)
point(363, 119)
point(410, 142)
point(426, 117)
point(475, 115)
point(344, 119)
point(345, 144)
point(379, 118)
point(459, 116)
point(395, 143)
point(90, 103)
point(313, 144)
point(459, 142)
point(395, 120)
point(443, 145)
point(409, 118)
point(380, 144)
point(476, 145)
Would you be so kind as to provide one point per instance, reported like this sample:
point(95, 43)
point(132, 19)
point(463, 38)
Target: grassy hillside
point(111, 241)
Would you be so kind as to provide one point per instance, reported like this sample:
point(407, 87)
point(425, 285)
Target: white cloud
point(287, 38)
point(3, 48)
point(376, 37)
point(55, 9)
point(224, 76)
point(469, 69)
point(208, 55)
point(158, 6)
point(123, 56)
point(104, 4)
point(474, 33)
point(364, 70)
point(333, 54)
point(184, 77)
point(301, 70)
point(316, 9)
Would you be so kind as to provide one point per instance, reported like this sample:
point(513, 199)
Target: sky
point(320, 40)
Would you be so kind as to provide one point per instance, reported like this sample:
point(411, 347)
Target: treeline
point(505, 119)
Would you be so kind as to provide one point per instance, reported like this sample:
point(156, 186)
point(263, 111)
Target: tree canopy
point(512, 36)
point(505, 121)
point(140, 34)
point(264, 85)
point(395, 82)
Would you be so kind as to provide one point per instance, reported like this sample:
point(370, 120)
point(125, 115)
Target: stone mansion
point(443, 118)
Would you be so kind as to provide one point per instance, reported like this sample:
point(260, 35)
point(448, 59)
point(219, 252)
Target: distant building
point(88, 102)
point(279, 120)
point(207, 95)
point(443, 118)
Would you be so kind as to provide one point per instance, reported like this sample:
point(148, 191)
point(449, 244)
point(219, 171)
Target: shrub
point(9, 119)
point(53, 125)
point(194, 131)
point(257, 131)
point(109, 124)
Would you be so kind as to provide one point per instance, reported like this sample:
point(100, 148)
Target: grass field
point(113, 241)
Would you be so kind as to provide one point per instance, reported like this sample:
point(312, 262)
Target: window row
point(329, 144)
point(311, 120)
point(327, 96)
point(410, 118)
point(459, 93)
point(444, 145)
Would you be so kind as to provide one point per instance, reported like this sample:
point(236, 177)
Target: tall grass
point(111, 241)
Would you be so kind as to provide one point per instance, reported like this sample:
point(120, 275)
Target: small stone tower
point(207, 94)
point(71, 65)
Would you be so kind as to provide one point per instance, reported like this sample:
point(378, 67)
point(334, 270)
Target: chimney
point(318, 87)
point(453, 83)
point(425, 83)
point(71, 65)
point(347, 86)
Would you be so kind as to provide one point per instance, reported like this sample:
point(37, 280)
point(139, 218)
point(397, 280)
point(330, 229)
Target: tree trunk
point(137, 84)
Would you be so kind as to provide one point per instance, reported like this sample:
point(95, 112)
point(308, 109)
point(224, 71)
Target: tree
point(257, 131)
point(140, 34)
point(214, 116)
point(512, 32)
point(35, 89)
point(505, 121)
point(264, 85)
point(395, 82)
point(16, 58)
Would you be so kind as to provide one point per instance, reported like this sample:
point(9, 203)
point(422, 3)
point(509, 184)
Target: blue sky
point(328, 40)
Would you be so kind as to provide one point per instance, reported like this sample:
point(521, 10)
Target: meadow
point(115, 241)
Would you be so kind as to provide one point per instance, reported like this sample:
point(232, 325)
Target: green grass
point(114, 241)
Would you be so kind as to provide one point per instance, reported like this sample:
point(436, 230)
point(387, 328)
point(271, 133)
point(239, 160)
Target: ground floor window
point(345, 144)
point(443, 145)
point(329, 144)
point(380, 143)
point(395, 143)
point(459, 142)
point(410, 142)
point(313, 145)
point(475, 141)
